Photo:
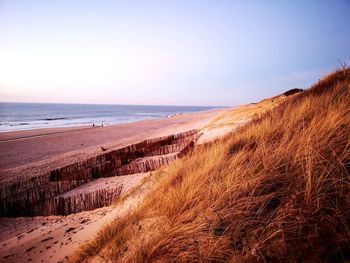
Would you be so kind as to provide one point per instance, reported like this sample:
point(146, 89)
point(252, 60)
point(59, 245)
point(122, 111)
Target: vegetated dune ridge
point(56, 238)
point(277, 189)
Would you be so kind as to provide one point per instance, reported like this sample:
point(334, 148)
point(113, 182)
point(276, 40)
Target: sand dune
point(56, 238)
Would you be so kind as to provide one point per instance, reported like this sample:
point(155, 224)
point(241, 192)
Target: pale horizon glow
point(167, 53)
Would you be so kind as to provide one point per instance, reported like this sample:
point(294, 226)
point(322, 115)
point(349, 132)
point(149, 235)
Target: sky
point(218, 52)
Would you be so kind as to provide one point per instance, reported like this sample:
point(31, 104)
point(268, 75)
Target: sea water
point(26, 116)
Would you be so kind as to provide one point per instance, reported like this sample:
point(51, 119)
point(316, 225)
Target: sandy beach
point(26, 147)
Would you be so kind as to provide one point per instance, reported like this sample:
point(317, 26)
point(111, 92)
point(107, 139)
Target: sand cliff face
point(54, 193)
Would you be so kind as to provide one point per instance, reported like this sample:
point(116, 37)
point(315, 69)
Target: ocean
point(27, 116)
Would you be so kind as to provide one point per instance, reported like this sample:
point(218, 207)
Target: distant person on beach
point(102, 124)
point(93, 125)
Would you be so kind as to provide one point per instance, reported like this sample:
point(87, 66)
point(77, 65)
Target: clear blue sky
point(167, 52)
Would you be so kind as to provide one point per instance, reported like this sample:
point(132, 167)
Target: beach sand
point(55, 238)
point(26, 147)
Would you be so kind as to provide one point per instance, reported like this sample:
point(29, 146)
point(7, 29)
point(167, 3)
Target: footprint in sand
point(70, 229)
point(84, 221)
point(5, 257)
point(46, 239)
point(30, 231)
point(20, 237)
point(29, 249)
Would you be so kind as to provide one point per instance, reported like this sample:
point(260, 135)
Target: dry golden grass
point(239, 116)
point(276, 190)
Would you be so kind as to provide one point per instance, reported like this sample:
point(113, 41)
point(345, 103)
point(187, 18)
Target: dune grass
point(245, 112)
point(275, 190)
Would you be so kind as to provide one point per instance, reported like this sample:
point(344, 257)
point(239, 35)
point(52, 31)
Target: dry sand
point(55, 238)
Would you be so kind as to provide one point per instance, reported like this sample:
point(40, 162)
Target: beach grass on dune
point(275, 190)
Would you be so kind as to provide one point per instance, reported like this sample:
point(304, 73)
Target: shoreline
point(45, 131)
point(23, 148)
point(90, 122)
